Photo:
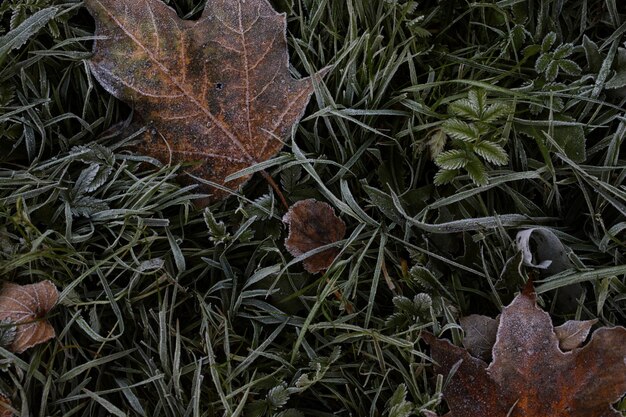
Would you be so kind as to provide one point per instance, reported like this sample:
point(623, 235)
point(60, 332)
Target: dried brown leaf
point(479, 334)
point(25, 306)
point(529, 375)
point(216, 91)
point(573, 333)
point(313, 224)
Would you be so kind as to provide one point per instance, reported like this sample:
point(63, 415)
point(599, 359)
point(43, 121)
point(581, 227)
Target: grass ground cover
point(441, 130)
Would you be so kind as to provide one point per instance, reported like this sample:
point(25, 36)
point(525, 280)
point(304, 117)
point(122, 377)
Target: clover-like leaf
point(530, 376)
point(313, 224)
point(216, 91)
point(25, 307)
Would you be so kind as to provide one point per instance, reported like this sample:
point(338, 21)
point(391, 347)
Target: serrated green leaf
point(491, 152)
point(461, 130)
point(100, 179)
point(85, 179)
point(542, 63)
point(278, 396)
point(518, 36)
point(29, 27)
point(495, 111)
point(531, 50)
point(402, 410)
point(93, 153)
point(402, 303)
point(263, 207)
point(464, 108)
point(552, 71)
point(87, 206)
point(445, 176)
point(548, 41)
point(563, 51)
point(422, 277)
point(289, 178)
point(476, 171)
point(452, 159)
point(398, 406)
point(217, 230)
point(570, 67)
point(478, 97)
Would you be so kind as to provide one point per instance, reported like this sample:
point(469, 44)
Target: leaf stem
point(276, 188)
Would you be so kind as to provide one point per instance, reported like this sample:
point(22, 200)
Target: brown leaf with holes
point(313, 224)
point(216, 91)
point(529, 375)
point(25, 307)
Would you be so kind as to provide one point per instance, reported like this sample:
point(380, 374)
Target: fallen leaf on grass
point(479, 334)
point(529, 375)
point(24, 306)
point(216, 90)
point(313, 224)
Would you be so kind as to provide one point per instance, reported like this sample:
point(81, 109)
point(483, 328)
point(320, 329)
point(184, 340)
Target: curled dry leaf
point(313, 224)
point(25, 307)
point(550, 253)
point(216, 90)
point(529, 375)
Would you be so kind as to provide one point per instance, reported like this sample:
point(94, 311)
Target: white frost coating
point(550, 252)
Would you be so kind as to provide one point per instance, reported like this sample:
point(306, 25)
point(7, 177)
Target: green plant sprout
point(475, 130)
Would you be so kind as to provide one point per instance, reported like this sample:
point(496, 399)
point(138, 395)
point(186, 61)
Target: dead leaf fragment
point(550, 253)
point(573, 333)
point(216, 90)
point(25, 307)
point(5, 406)
point(479, 334)
point(529, 375)
point(313, 224)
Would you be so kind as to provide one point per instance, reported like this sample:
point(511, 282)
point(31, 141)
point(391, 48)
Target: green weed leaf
point(491, 152)
point(452, 159)
point(461, 130)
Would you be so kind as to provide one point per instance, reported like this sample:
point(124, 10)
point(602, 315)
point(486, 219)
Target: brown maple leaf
point(313, 224)
point(216, 90)
point(25, 306)
point(529, 375)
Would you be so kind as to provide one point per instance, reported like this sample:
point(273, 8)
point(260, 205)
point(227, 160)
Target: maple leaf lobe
point(529, 375)
point(216, 90)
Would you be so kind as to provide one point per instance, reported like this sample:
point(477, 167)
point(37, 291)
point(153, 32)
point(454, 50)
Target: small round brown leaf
point(25, 306)
point(313, 224)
